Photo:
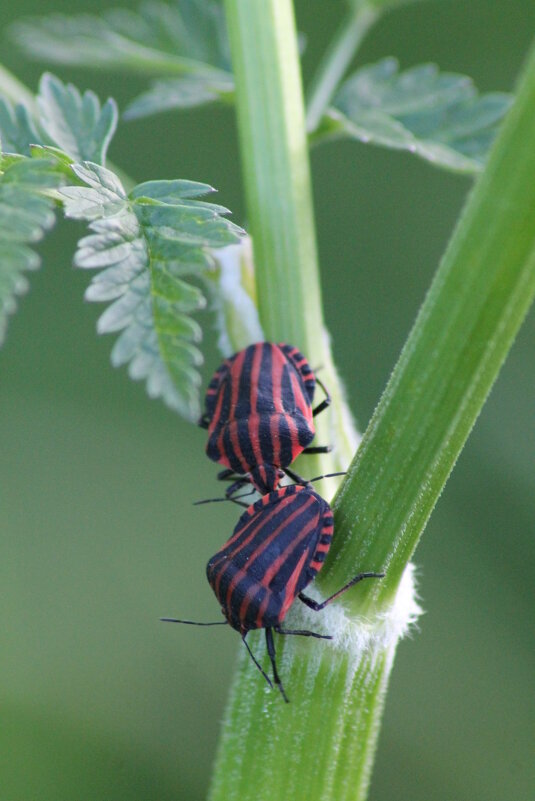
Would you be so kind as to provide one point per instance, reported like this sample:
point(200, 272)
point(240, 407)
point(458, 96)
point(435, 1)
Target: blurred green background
point(99, 537)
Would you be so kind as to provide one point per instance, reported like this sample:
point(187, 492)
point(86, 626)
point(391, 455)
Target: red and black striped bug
point(259, 415)
point(276, 550)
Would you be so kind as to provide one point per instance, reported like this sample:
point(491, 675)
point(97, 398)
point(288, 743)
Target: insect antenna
point(193, 622)
point(236, 499)
point(327, 475)
point(305, 481)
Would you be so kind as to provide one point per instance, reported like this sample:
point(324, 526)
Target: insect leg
point(255, 660)
point(295, 477)
point(304, 633)
point(227, 475)
point(204, 421)
point(318, 449)
point(271, 652)
point(325, 403)
point(317, 607)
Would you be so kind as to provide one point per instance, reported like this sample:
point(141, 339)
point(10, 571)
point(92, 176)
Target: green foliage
point(17, 130)
point(70, 126)
point(186, 38)
point(26, 213)
point(144, 245)
point(185, 92)
point(73, 123)
point(437, 116)
point(76, 123)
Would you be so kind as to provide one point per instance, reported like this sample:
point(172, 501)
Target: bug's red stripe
point(248, 597)
point(262, 611)
point(217, 412)
point(252, 423)
point(300, 399)
point(294, 438)
point(255, 377)
point(289, 595)
point(274, 433)
point(276, 375)
point(237, 369)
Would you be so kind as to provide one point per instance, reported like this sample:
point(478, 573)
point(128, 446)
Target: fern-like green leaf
point(145, 244)
point(185, 36)
point(26, 213)
point(76, 123)
point(17, 130)
point(185, 92)
point(437, 116)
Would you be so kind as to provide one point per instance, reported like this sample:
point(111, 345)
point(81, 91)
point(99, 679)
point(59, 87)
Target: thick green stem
point(476, 304)
point(336, 60)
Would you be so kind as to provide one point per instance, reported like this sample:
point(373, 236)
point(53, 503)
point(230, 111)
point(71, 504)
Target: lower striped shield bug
point(276, 550)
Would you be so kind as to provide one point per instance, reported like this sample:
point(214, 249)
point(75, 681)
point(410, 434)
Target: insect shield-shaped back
point(277, 547)
point(259, 410)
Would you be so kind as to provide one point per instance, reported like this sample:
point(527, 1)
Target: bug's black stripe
point(302, 368)
point(243, 405)
point(246, 445)
point(287, 394)
point(264, 403)
point(305, 434)
point(285, 443)
point(228, 448)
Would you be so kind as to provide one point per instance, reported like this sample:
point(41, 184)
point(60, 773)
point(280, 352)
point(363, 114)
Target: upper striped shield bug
point(276, 550)
point(259, 414)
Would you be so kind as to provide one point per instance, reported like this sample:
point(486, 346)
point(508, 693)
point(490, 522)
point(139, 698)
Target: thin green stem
point(336, 60)
point(276, 169)
point(274, 151)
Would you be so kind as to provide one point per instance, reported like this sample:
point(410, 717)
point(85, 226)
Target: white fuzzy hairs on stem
point(357, 635)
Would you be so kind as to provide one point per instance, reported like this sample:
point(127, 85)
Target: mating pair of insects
point(259, 416)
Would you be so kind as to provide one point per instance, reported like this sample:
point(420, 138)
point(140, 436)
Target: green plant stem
point(336, 60)
point(276, 169)
point(274, 150)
